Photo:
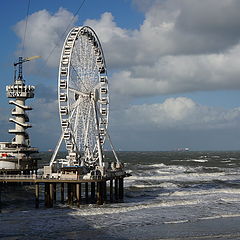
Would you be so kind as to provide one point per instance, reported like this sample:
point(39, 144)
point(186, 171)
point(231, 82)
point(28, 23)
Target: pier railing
point(35, 177)
point(20, 177)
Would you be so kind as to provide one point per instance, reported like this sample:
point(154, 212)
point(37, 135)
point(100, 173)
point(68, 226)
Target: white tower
point(21, 93)
point(15, 155)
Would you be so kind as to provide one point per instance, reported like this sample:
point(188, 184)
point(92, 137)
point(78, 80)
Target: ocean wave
point(167, 185)
point(185, 177)
point(206, 192)
point(199, 160)
point(220, 216)
point(123, 209)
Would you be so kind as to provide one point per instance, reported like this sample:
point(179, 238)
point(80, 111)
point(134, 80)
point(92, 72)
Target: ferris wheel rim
point(65, 107)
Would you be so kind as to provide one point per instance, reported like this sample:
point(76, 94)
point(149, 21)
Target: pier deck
point(97, 190)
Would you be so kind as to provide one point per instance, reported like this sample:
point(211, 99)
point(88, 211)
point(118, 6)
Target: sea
point(169, 195)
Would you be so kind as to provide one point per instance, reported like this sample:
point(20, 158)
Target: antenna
point(21, 60)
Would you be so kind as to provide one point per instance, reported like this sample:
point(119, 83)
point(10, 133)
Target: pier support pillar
point(70, 193)
point(51, 197)
point(62, 193)
point(111, 190)
point(121, 189)
point(86, 192)
point(1, 196)
point(116, 193)
point(54, 192)
point(47, 195)
point(36, 195)
point(78, 194)
point(99, 193)
point(104, 189)
point(93, 192)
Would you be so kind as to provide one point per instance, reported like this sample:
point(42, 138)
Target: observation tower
point(15, 155)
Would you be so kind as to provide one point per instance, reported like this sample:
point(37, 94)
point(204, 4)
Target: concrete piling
point(51, 195)
point(86, 192)
point(1, 196)
point(54, 192)
point(99, 193)
point(104, 190)
point(116, 188)
point(121, 189)
point(78, 194)
point(93, 192)
point(62, 193)
point(37, 195)
point(70, 193)
point(111, 190)
point(47, 195)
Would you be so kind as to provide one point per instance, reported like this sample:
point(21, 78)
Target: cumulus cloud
point(45, 33)
point(178, 74)
point(181, 46)
point(178, 113)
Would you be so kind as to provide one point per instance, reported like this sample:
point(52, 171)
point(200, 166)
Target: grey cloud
point(177, 113)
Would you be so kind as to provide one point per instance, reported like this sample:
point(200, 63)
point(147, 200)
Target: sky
point(173, 67)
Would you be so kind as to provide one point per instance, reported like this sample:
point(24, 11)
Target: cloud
point(177, 113)
point(181, 46)
point(178, 74)
point(45, 32)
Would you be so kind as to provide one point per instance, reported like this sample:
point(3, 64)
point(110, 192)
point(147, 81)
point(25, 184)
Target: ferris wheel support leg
point(100, 154)
point(111, 144)
point(56, 150)
point(112, 147)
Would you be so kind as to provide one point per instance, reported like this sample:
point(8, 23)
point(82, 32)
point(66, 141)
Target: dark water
point(167, 192)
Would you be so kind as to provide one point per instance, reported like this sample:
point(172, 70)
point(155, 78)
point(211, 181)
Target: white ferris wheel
point(83, 98)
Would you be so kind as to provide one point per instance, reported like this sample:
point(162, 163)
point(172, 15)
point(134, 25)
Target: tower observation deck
point(15, 155)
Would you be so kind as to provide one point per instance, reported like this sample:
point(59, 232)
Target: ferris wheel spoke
point(78, 77)
point(76, 120)
point(86, 130)
point(78, 92)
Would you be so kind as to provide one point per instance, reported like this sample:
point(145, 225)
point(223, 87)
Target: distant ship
point(183, 149)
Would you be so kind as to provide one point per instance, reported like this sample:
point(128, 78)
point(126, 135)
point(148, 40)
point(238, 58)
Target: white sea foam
point(168, 185)
point(175, 173)
point(123, 209)
point(177, 221)
point(207, 192)
point(199, 160)
point(220, 216)
point(186, 177)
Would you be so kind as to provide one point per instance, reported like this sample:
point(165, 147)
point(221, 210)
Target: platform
point(96, 190)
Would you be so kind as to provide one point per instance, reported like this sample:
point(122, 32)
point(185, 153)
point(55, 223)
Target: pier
point(85, 175)
point(73, 192)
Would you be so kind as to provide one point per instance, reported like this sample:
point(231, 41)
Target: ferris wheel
point(83, 98)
